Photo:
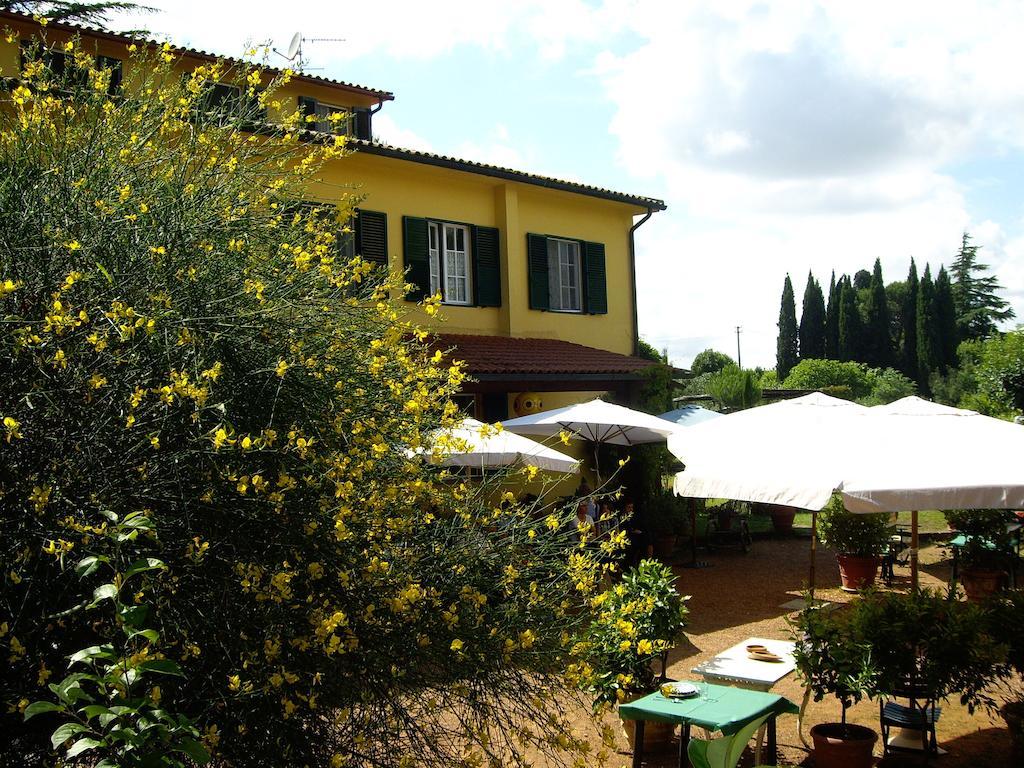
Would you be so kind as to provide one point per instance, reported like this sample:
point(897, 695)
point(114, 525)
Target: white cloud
point(386, 130)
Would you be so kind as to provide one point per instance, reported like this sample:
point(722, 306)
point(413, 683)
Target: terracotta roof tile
point(506, 355)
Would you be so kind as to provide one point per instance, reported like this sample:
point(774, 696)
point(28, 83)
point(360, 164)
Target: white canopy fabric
point(921, 455)
point(472, 444)
point(790, 452)
point(597, 421)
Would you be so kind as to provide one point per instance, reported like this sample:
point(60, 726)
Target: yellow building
point(536, 274)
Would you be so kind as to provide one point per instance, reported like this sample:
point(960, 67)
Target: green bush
point(638, 620)
point(853, 533)
point(887, 385)
point(985, 531)
point(845, 379)
point(734, 388)
point(184, 341)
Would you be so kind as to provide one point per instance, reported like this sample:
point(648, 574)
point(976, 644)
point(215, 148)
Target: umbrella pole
point(694, 562)
point(597, 464)
point(913, 550)
point(814, 553)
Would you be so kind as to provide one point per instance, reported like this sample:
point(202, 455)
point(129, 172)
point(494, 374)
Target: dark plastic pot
point(843, 746)
point(857, 572)
point(665, 546)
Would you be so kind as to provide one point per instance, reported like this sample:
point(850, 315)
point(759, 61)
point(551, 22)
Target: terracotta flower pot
point(657, 736)
point(857, 572)
point(782, 518)
point(980, 583)
point(843, 746)
point(665, 546)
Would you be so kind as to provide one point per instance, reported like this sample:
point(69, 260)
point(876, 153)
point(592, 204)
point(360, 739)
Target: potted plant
point(858, 539)
point(637, 621)
point(982, 555)
point(665, 516)
point(833, 662)
point(782, 517)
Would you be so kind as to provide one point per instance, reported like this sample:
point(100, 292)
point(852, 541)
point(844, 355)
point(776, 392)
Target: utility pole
point(739, 360)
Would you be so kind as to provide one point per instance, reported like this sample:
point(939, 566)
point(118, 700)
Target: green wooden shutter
point(361, 123)
point(372, 236)
point(486, 267)
point(596, 280)
point(537, 265)
point(417, 262)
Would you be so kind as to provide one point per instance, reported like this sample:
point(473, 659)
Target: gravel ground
point(740, 597)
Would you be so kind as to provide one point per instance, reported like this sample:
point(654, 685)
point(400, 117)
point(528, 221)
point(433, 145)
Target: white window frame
point(565, 275)
point(450, 268)
point(322, 111)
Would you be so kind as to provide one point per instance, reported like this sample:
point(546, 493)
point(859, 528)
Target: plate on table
point(678, 690)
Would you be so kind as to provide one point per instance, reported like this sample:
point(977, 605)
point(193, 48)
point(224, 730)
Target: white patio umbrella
point(471, 444)
point(597, 421)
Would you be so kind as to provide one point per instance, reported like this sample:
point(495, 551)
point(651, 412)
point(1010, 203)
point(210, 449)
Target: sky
point(785, 137)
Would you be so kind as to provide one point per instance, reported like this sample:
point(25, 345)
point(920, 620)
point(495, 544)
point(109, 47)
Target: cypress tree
point(877, 342)
point(909, 351)
point(812, 321)
point(928, 351)
point(786, 348)
point(978, 308)
point(832, 321)
point(945, 320)
point(851, 331)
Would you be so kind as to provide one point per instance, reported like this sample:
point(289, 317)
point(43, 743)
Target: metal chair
point(919, 714)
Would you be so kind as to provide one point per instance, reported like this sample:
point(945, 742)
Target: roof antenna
point(294, 52)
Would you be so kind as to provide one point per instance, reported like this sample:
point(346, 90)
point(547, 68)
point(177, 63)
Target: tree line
point(914, 326)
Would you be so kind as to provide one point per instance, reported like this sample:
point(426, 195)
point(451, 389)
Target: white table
point(734, 667)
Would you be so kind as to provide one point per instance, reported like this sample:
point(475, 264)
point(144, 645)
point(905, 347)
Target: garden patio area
point(741, 596)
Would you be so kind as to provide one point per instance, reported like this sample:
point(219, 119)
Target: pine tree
point(832, 321)
point(786, 348)
point(978, 308)
point(945, 317)
point(909, 350)
point(929, 353)
point(877, 342)
point(851, 330)
point(812, 321)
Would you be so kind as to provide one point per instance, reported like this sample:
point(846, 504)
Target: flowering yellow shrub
point(181, 336)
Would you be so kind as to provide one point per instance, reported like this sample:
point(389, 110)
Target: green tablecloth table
point(726, 709)
point(1011, 552)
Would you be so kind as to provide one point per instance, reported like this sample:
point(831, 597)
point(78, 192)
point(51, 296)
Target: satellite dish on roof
point(294, 46)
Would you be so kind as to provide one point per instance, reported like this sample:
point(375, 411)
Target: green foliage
point(946, 645)
point(842, 379)
point(91, 13)
point(877, 342)
point(110, 706)
point(929, 351)
point(734, 388)
point(710, 361)
point(853, 533)
point(1000, 371)
point(978, 307)
point(786, 354)
point(832, 320)
point(987, 539)
point(908, 350)
point(851, 330)
point(945, 320)
point(887, 385)
point(812, 321)
point(830, 660)
point(182, 340)
point(769, 380)
point(638, 620)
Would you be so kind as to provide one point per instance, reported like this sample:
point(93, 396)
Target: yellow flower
point(96, 381)
point(11, 425)
point(456, 646)
point(282, 366)
point(644, 647)
point(74, 245)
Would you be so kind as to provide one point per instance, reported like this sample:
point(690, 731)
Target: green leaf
point(39, 707)
point(110, 279)
point(103, 592)
point(161, 667)
point(195, 750)
point(92, 652)
point(145, 564)
point(83, 745)
point(88, 565)
point(134, 615)
point(65, 732)
point(90, 711)
point(150, 634)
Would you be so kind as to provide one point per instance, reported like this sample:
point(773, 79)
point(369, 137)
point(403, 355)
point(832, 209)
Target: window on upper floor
point(364, 233)
point(61, 64)
point(566, 275)
point(458, 261)
point(347, 121)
